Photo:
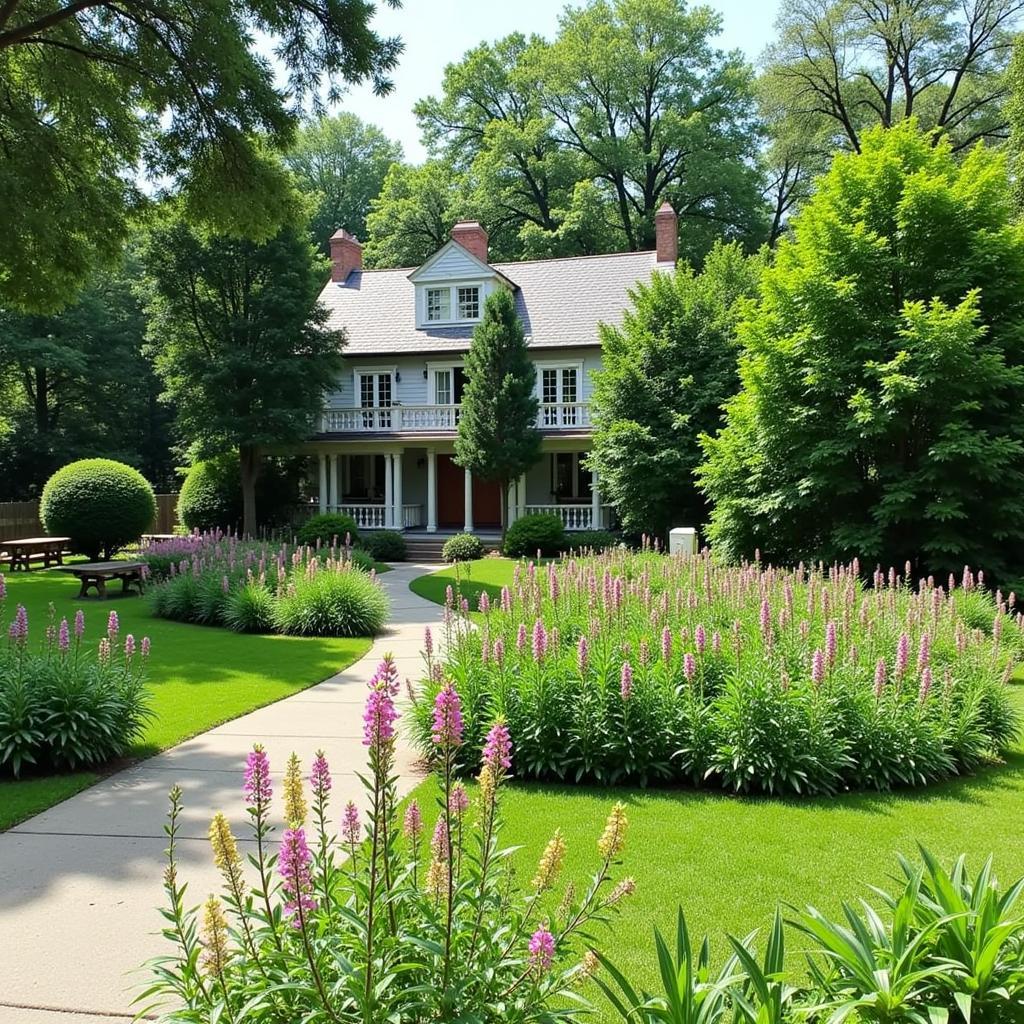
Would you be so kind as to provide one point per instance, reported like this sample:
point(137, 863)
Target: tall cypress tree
point(498, 437)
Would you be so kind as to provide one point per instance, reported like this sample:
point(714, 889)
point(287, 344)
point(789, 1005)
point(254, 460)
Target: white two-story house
point(386, 439)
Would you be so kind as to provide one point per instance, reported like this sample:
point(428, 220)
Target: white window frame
point(453, 302)
point(361, 371)
point(558, 364)
point(432, 368)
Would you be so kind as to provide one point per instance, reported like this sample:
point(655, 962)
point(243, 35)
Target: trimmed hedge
point(386, 546)
point(102, 505)
point(463, 547)
point(328, 527)
point(591, 540)
point(543, 532)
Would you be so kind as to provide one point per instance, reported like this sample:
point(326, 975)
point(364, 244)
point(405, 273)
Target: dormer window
point(451, 303)
point(469, 302)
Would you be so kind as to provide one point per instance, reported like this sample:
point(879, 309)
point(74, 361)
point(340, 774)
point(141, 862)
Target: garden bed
point(639, 668)
point(198, 678)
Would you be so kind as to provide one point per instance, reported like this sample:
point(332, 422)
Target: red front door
point(451, 492)
point(486, 503)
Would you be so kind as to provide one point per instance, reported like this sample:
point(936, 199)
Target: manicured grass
point(200, 676)
point(469, 578)
point(730, 860)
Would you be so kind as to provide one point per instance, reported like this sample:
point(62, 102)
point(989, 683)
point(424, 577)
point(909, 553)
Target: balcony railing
point(574, 517)
point(438, 418)
point(373, 516)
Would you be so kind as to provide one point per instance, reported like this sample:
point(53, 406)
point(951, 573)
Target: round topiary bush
point(100, 504)
point(328, 528)
point(463, 547)
point(543, 532)
point(211, 496)
point(385, 545)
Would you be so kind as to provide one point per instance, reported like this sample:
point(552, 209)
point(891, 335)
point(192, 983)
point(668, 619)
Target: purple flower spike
point(412, 825)
point(350, 827)
point(498, 748)
point(379, 719)
point(447, 727)
point(626, 681)
point(64, 635)
point(542, 950)
point(257, 786)
point(294, 863)
point(689, 665)
point(79, 624)
point(320, 775)
point(817, 666)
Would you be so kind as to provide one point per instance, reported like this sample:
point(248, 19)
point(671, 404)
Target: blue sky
point(437, 32)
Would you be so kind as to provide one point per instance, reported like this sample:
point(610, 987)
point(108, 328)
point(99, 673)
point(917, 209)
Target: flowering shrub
point(63, 707)
point(463, 547)
point(389, 920)
point(953, 951)
point(217, 579)
point(641, 667)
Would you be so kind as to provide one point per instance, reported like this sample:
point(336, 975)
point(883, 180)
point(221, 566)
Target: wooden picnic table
point(97, 574)
point(22, 551)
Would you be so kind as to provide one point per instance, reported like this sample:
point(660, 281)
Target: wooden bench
point(22, 551)
point(97, 574)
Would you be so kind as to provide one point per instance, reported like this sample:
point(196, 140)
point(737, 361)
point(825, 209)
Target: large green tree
point(78, 385)
point(341, 163)
point(240, 341)
point(882, 380)
point(498, 437)
point(95, 91)
point(840, 67)
point(667, 373)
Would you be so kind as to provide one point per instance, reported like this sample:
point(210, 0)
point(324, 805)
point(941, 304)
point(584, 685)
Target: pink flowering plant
point(258, 587)
point(639, 667)
point(377, 912)
point(67, 703)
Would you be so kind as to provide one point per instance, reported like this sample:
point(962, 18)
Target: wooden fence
point(21, 518)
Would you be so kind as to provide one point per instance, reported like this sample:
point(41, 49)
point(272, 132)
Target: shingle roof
point(560, 303)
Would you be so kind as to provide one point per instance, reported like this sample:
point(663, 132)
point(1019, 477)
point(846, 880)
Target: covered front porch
point(420, 488)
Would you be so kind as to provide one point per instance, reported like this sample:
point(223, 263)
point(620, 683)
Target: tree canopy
point(240, 340)
point(881, 372)
point(341, 163)
point(666, 374)
point(97, 92)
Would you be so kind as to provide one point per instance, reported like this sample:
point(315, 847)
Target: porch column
point(595, 502)
point(468, 500)
point(322, 493)
point(335, 497)
point(431, 490)
point(511, 501)
point(389, 499)
point(398, 518)
point(521, 495)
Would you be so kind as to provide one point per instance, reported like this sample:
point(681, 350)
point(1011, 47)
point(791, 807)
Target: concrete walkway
point(80, 884)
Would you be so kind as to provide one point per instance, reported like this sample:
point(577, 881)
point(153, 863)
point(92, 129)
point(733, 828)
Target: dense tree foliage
point(569, 147)
point(94, 91)
point(882, 377)
point(498, 437)
point(341, 163)
point(240, 341)
point(78, 384)
point(667, 372)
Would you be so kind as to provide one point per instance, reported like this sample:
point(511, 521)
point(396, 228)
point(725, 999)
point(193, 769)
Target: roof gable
point(454, 262)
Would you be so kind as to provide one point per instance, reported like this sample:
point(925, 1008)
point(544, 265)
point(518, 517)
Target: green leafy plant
point(531, 535)
point(463, 547)
point(343, 602)
point(100, 504)
point(328, 528)
point(590, 541)
point(385, 545)
point(250, 608)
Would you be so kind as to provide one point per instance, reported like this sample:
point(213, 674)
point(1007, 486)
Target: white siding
point(455, 263)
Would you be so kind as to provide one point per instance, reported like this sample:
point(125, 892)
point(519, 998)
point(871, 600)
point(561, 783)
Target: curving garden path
point(81, 883)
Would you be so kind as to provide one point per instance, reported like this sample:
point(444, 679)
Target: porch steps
point(428, 547)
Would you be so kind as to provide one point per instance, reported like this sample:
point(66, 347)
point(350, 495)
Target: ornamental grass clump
point(640, 667)
point(309, 590)
point(392, 918)
point(65, 706)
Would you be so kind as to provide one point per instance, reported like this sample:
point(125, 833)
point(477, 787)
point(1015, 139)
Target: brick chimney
point(666, 232)
point(471, 235)
point(346, 255)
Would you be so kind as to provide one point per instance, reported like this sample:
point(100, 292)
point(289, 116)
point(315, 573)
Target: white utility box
point(682, 541)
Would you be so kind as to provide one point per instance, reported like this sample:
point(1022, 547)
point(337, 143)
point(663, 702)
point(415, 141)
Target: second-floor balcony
point(439, 419)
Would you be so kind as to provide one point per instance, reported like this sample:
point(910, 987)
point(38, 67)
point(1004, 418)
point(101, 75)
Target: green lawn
point(201, 676)
point(730, 860)
point(470, 578)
